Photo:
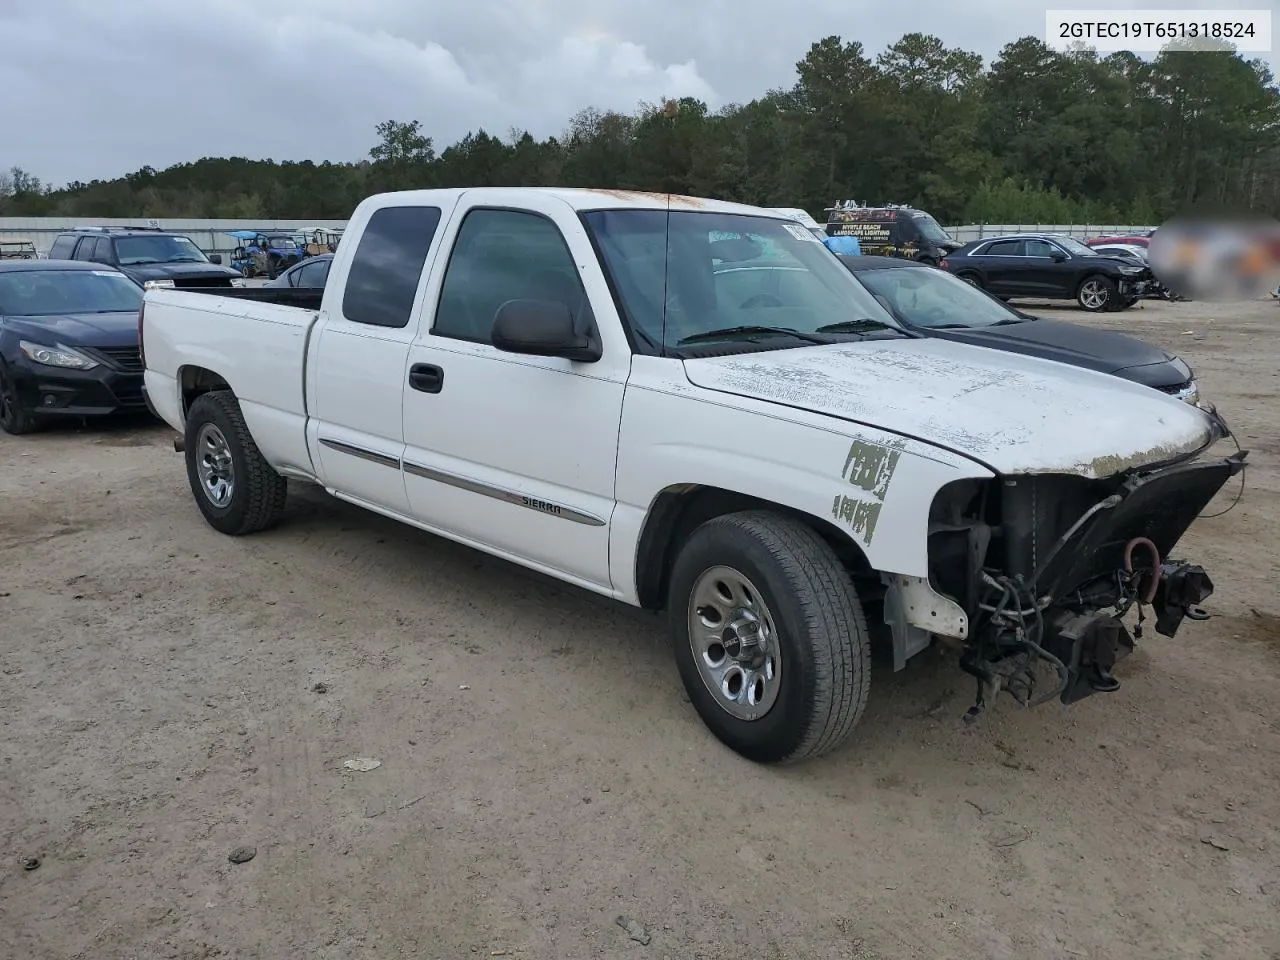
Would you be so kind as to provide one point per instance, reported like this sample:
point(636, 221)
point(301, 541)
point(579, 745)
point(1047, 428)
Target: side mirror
point(543, 328)
point(1058, 256)
point(215, 258)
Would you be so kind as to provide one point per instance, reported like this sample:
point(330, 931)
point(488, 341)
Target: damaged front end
point(1039, 571)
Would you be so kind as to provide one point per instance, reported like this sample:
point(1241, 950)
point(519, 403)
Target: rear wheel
point(971, 279)
point(235, 488)
point(1097, 293)
point(769, 637)
point(14, 419)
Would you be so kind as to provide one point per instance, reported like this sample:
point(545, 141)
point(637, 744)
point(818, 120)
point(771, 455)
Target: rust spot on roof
point(627, 194)
point(676, 200)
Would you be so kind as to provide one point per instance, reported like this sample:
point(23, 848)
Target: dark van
point(892, 230)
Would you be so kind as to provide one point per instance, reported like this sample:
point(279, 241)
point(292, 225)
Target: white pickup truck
point(691, 405)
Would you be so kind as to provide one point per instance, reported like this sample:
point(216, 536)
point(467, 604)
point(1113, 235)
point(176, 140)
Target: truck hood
point(1012, 413)
point(1103, 350)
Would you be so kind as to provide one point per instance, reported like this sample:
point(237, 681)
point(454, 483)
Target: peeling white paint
point(1018, 414)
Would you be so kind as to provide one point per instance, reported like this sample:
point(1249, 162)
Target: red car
point(1138, 240)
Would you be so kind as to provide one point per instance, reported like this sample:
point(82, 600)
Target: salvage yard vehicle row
point(578, 381)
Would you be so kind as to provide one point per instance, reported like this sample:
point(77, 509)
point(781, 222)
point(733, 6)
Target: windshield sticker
point(799, 232)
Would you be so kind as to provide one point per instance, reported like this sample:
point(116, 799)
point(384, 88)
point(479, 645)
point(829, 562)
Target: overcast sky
point(95, 89)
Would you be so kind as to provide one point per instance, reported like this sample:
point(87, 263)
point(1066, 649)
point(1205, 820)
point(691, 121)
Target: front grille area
point(1176, 388)
point(129, 394)
point(128, 359)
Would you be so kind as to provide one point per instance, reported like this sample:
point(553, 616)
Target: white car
point(587, 383)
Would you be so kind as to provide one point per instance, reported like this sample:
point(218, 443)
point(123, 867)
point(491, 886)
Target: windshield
point(283, 242)
point(930, 230)
point(42, 293)
point(136, 250)
point(1074, 247)
point(926, 297)
point(685, 275)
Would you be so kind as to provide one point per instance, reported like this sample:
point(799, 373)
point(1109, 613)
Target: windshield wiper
point(748, 329)
point(854, 326)
point(184, 260)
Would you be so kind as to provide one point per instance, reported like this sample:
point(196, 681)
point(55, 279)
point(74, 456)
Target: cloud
point(100, 94)
point(96, 89)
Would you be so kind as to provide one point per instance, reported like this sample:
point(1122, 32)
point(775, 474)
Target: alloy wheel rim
point(734, 643)
point(1093, 294)
point(215, 465)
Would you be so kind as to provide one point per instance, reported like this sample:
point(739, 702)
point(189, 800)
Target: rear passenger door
point(1004, 267)
point(355, 384)
point(516, 453)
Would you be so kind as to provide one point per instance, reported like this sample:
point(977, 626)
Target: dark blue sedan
point(68, 342)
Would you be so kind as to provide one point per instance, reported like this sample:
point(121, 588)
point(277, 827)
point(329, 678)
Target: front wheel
point(235, 488)
point(769, 637)
point(14, 419)
point(1097, 294)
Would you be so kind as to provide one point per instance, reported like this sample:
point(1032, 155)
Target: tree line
point(1038, 136)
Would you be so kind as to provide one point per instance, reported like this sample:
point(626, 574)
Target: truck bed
point(308, 298)
point(258, 343)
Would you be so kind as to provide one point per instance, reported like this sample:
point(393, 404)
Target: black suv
point(146, 255)
point(1053, 267)
point(891, 230)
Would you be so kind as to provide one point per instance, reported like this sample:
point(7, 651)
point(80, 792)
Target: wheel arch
point(680, 508)
point(194, 380)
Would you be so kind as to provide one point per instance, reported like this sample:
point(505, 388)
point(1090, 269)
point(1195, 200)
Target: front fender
point(875, 487)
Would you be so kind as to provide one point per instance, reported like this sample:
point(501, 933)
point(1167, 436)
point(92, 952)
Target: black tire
point(1092, 285)
point(14, 419)
point(257, 494)
point(970, 278)
point(825, 652)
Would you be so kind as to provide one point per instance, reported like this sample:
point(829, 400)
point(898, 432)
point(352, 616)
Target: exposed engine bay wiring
point(1239, 494)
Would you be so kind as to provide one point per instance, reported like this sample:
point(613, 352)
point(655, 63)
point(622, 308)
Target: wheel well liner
point(196, 381)
point(679, 509)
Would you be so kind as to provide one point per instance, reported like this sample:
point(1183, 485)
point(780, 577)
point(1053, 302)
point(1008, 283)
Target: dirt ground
point(541, 772)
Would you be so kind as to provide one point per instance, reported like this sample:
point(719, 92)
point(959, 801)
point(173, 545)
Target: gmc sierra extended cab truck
point(691, 406)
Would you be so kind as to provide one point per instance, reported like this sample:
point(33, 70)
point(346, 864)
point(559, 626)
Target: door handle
point(426, 377)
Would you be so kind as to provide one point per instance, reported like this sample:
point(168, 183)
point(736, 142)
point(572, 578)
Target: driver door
point(510, 452)
point(1047, 277)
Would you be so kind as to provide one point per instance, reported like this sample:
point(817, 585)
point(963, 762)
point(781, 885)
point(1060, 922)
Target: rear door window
point(383, 281)
point(86, 248)
point(1004, 248)
point(312, 274)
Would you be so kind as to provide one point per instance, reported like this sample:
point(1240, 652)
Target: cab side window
point(62, 247)
point(502, 255)
point(1041, 248)
point(383, 281)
